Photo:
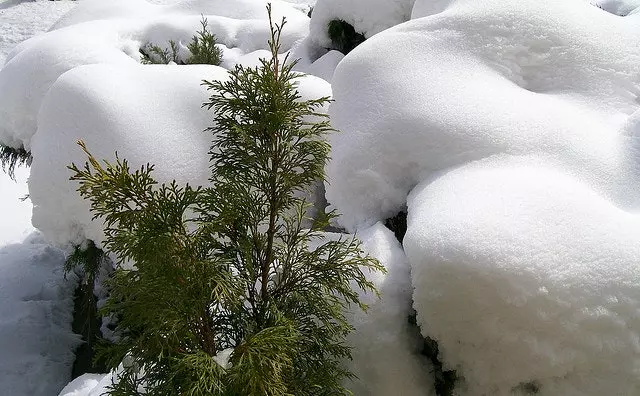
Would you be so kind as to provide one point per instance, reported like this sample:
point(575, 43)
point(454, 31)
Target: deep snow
point(507, 130)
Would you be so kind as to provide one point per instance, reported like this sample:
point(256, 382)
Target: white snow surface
point(35, 319)
point(36, 302)
point(483, 78)
point(509, 132)
point(386, 354)
point(16, 212)
point(96, 32)
point(524, 274)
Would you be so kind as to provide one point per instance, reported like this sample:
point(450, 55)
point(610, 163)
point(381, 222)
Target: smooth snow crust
point(36, 340)
point(386, 355)
point(509, 132)
point(479, 79)
point(524, 274)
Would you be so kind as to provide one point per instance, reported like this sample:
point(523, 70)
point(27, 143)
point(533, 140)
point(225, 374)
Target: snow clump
point(509, 133)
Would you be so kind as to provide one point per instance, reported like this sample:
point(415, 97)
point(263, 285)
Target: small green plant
point(230, 295)
point(202, 47)
point(153, 54)
point(11, 157)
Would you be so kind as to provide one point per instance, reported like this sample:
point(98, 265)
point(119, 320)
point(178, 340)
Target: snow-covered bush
point(202, 50)
point(507, 131)
point(365, 17)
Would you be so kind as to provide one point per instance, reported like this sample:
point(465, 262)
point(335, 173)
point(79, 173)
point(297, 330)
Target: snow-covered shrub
point(112, 33)
point(507, 130)
point(226, 298)
point(366, 17)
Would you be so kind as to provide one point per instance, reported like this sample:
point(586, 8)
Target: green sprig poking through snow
point(202, 47)
point(227, 296)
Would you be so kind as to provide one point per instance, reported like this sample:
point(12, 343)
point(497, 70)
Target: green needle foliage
point(202, 47)
point(11, 157)
point(229, 294)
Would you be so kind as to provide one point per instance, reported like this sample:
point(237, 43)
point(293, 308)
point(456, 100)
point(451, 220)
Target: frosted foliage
point(478, 79)
point(525, 275)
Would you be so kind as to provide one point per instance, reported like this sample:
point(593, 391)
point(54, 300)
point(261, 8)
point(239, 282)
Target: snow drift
point(97, 33)
point(36, 339)
point(509, 132)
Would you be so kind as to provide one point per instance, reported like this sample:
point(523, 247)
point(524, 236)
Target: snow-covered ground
point(36, 302)
point(508, 130)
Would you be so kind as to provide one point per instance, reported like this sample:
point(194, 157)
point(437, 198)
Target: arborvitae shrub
point(11, 157)
point(227, 296)
point(203, 47)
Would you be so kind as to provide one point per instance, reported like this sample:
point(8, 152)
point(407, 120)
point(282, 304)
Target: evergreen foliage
point(86, 321)
point(228, 296)
point(202, 47)
point(154, 54)
point(11, 157)
point(344, 37)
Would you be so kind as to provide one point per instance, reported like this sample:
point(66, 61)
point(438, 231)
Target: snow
point(386, 348)
point(16, 213)
point(36, 340)
point(97, 33)
point(35, 315)
point(479, 79)
point(88, 385)
point(536, 281)
point(509, 131)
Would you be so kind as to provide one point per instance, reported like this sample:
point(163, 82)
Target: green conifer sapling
point(229, 294)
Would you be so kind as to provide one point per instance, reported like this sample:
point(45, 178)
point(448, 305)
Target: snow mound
point(478, 79)
point(97, 33)
point(36, 339)
point(88, 385)
point(386, 349)
point(368, 17)
point(536, 282)
point(135, 112)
